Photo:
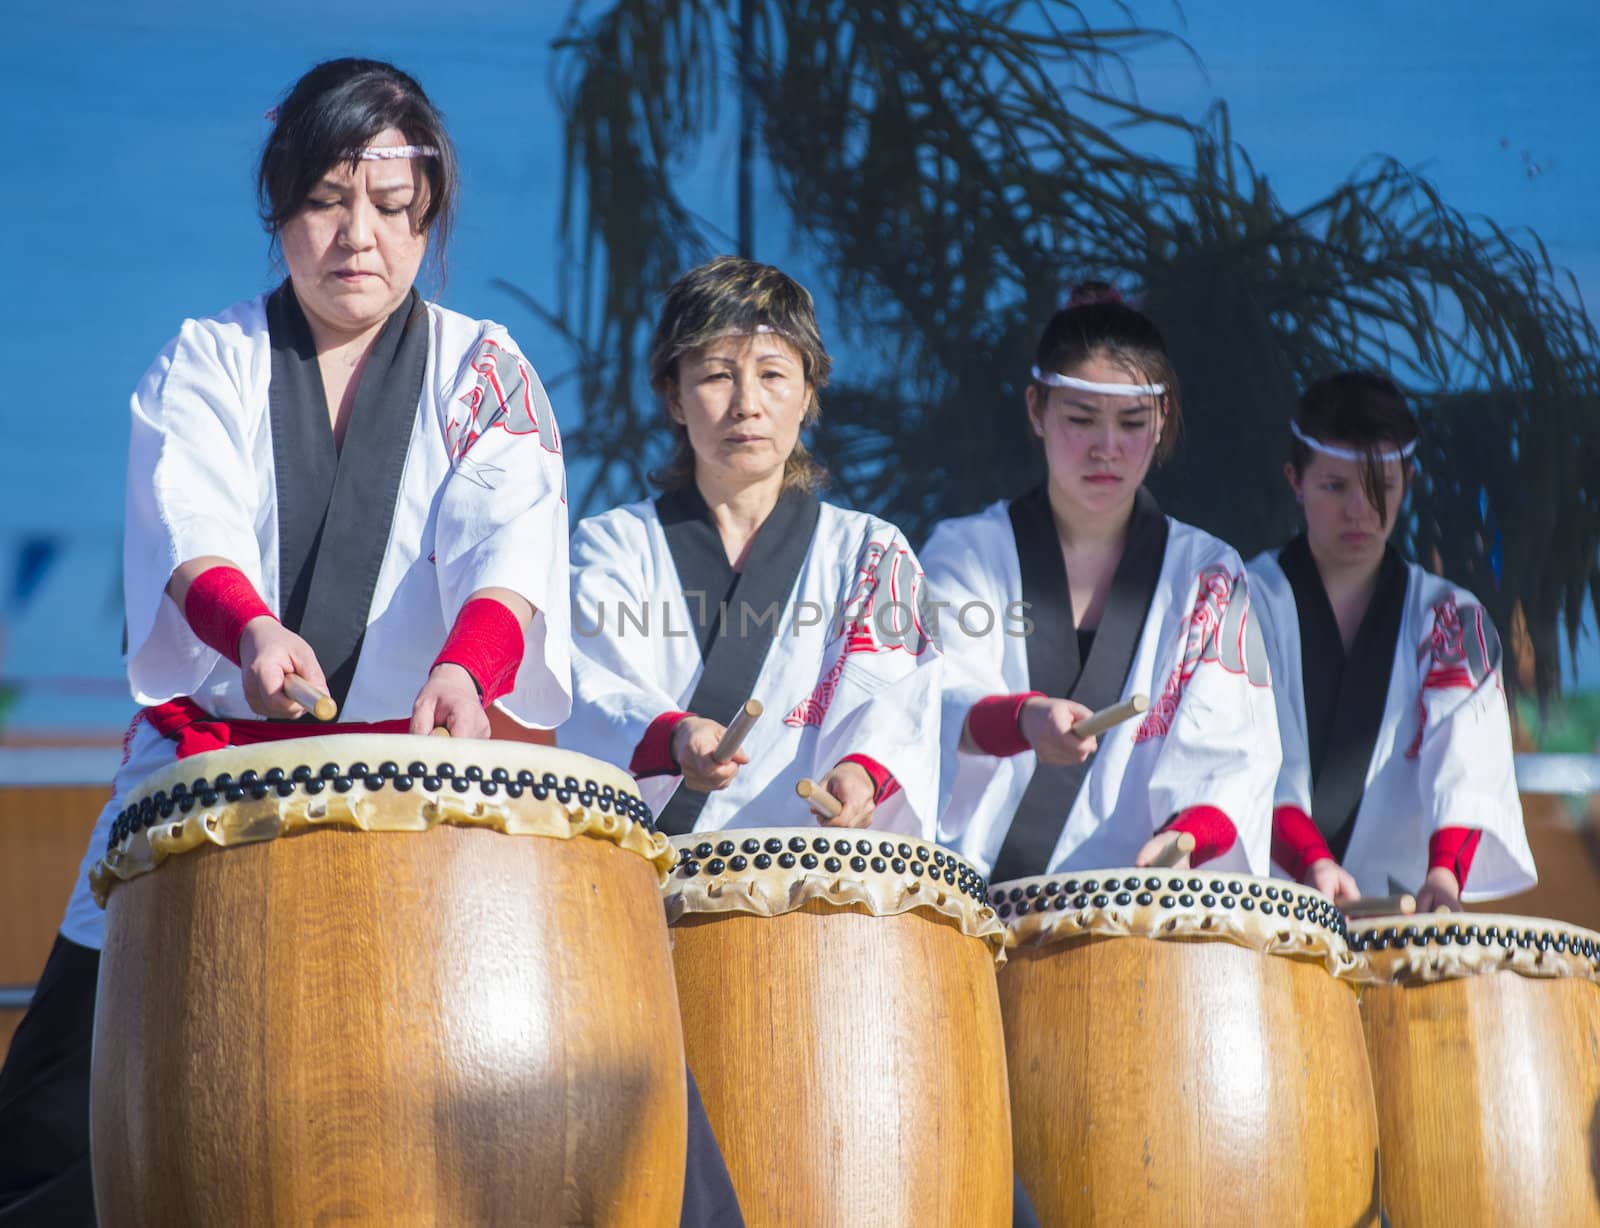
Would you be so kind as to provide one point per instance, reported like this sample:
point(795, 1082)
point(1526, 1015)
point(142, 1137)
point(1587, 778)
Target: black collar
point(1345, 696)
point(1053, 661)
point(730, 609)
point(336, 505)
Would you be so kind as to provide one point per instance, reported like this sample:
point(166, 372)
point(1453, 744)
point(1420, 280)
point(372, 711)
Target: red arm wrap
point(487, 642)
point(995, 724)
point(1453, 848)
point(884, 785)
point(1296, 842)
point(218, 605)
point(1212, 830)
point(653, 755)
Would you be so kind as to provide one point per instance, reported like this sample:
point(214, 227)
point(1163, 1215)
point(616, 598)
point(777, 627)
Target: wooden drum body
point(840, 1017)
point(1184, 1049)
point(1484, 1035)
point(389, 981)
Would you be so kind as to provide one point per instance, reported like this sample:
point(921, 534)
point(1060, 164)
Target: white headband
point(384, 153)
point(1316, 445)
point(759, 330)
point(1056, 380)
point(375, 153)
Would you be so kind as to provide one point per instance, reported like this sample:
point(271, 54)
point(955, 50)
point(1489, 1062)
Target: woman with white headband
point(1080, 594)
point(334, 479)
point(1397, 769)
point(737, 583)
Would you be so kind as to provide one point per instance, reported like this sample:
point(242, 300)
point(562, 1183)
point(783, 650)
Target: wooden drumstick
point(1381, 906)
point(439, 731)
point(738, 727)
point(822, 802)
point(1104, 719)
point(1176, 851)
point(319, 703)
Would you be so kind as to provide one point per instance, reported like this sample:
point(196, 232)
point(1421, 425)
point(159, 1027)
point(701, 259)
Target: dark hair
point(1096, 322)
point(731, 295)
point(1365, 412)
point(330, 115)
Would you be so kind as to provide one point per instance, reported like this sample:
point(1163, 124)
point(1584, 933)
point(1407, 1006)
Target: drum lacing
point(832, 856)
point(203, 792)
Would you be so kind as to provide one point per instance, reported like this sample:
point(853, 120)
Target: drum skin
point(1488, 1093)
point(852, 1065)
point(1174, 1081)
point(452, 1026)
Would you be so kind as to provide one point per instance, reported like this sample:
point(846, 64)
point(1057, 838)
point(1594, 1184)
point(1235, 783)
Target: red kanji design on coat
point(812, 709)
point(506, 396)
point(1219, 632)
point(882, 568)
point(885, 568)
point(1460, 652)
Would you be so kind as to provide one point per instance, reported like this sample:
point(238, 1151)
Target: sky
point(127, 203)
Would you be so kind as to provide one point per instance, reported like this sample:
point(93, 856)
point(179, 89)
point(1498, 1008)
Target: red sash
point(197, 731)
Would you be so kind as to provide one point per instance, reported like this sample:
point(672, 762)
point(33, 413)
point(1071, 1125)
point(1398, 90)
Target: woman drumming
point(336, 480)
point(1079, 594)
point(1397, 769)
point(737, 583)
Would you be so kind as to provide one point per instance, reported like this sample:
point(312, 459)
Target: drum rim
point(197, 802)
point(752, 877)
point(1429, 948)
point(1271, 916)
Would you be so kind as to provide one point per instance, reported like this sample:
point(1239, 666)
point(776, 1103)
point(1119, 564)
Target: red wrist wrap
point(218, 605)
point(1453, 848)
point(884, 785)
point(995, 724)
point(1296, 842)
point(653, 755)
point(1212, 830)
point(487, 642)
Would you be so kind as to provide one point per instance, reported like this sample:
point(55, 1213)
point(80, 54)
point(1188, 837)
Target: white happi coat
point(1443, 753)
point(482, 503)
point(827, 691)
point(1209, 738)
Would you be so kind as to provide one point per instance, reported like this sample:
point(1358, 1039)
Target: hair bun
point(1088, 293)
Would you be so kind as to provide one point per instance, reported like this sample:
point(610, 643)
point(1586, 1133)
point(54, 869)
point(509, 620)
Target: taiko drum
point(1184, 1048)
point(1484, 1036)
point(840, 1017)
point(386, 981)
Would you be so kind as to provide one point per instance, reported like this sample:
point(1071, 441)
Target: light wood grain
point(852, 1066)
point(446, 1027)
point(44, 833)
point(1381, 906)
point(1488, 1100)
point(310, 697)
point(734, 735)
point(819, 799)
point(1194, 1083)
point(1109, 717)
point(1174, 852)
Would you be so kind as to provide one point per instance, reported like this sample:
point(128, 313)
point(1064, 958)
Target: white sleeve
point(1278, 627)
point(886, 703)
point(1466, 773)
point(192, 474)
point(502, 519)
point(1220, 741)
point(960, 578)
point(617, 695)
